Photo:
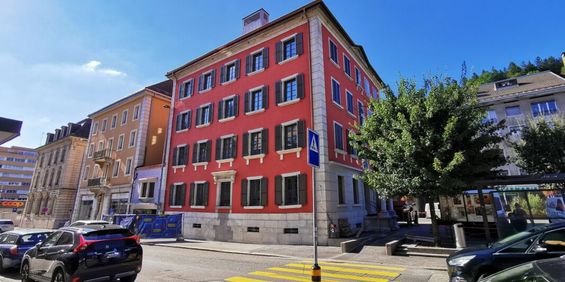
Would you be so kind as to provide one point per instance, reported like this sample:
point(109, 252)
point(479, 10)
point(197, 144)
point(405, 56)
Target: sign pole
point(314, 162)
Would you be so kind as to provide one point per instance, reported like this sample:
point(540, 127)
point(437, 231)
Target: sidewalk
point(370, 254)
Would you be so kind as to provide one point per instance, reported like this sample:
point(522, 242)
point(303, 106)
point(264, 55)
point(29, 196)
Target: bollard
point(316, 273)
point(459, 236)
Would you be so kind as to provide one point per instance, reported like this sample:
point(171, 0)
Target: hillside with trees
point(513, 70)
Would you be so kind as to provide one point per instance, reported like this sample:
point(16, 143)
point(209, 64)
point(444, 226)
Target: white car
point(6, 225)
point(88, 222)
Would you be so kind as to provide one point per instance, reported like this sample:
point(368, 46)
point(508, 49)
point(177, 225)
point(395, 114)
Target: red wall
point(335, 113)
point(273, 116)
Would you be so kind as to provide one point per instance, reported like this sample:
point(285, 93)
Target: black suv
point(86, 253)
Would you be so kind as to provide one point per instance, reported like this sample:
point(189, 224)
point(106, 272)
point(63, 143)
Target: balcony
point(103, 156)
point(96, 182)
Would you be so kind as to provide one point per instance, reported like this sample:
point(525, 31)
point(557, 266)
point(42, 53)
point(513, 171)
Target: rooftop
point(525, 84)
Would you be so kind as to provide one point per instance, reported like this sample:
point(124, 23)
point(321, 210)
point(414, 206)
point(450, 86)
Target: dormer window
point(505, 84)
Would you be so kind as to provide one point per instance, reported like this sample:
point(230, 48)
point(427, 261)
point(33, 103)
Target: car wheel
point(128, 278)
point(25, 272)
point(1, 264)
point(58, 276)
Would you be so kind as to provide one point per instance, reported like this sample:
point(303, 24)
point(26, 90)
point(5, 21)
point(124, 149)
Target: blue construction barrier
point(150, 225)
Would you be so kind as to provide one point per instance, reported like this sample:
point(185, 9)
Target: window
point(290, 89)
point(333, 52)
point(361, 110)
point(124, 117)
point(350, 105)
point(254, 191)
point(114, 121)
point(230, 72)
point(147, 189)
point(290, 135)
point(226, 147)
point(129, 163)
point(290, 189)
point(201, 152)
point(341, 190)
point(110, 144)
point(257, 61)
point(63, 153)
point(177, 195)
point(132, 136)
point(544, 108)
point(206, 81)
point(183, 120)
point(56, 157)
point(84, 173)
point(100, 145)
point(66, 239)
point(224, 198)
point(355, 184)
point(357, 76)
point(346, 65)
point(204, 115)
point(511, 111)
point(375, 93)
point(256, 99)
point(491, 116)
point(104, 125)
point(136, 112)
point(199, 194)
point(52, 239)
point(338, 136)
point(59, 171)
point(255, 142)
point(180, 155)
point(95, 128)
point(120, 142)
point(552, 241)
point(116, 170)
point(228, 107)
point(186, 88)
point(289, 48)
point(90, 151)
point(367, 87)
point(336, 94)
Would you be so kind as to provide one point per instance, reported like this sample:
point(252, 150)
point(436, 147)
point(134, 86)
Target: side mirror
point(540, 250)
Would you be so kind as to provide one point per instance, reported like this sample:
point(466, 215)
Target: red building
point(236, 160)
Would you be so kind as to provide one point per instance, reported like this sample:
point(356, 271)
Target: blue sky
point(61, 60)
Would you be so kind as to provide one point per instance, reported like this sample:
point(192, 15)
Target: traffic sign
point(313, 148)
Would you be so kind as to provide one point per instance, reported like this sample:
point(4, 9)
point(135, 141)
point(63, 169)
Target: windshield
point(515, 237)
point(107, 234)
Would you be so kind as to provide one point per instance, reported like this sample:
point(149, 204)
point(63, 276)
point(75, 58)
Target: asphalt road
point(173, 264)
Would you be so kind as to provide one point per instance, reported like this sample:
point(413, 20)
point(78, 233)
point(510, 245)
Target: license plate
point(110, 255)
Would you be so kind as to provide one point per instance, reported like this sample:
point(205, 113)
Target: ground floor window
point(85, 209)
point(199, 193)
point(224, 194)
point(119, 203)
point(290, 189)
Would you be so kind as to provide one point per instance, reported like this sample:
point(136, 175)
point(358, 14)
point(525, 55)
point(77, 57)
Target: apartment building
point(125, 135)
point(520, 100)
point(237, 157)
point(16, 171)
point(53, 188)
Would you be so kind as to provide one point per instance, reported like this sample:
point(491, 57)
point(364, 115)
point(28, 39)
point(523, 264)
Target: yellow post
point(316, 273)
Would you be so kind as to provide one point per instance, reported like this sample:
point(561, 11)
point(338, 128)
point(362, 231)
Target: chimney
point(255, 20)
point(49, 138)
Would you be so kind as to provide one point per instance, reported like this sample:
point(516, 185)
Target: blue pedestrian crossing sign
point(313, 148)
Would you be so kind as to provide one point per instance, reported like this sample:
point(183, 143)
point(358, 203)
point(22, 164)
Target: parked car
point(6, 225)
point(545, 270)
point(88, 222)
point(13, 245)
point(92, 252)
point(537, 243)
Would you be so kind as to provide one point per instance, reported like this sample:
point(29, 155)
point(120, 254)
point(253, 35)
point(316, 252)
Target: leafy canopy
point(542, 148)
point(427, 141)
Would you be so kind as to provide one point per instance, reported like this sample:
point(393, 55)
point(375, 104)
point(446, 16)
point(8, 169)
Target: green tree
point(428, 141)
point(542, 148)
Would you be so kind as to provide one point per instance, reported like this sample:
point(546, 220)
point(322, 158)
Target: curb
point(219, 250)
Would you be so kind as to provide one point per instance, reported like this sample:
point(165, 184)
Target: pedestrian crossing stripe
point(358, 265)
point(243, 279)
point(340, 271)
point(349, 270)
point(333, 275)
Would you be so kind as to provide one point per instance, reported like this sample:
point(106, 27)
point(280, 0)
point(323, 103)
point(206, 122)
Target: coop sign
point(12, 204)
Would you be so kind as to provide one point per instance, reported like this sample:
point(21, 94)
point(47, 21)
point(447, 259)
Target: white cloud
point(92, 66)
point(46, 96)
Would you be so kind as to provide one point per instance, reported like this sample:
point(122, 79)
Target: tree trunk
point(435, 227)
